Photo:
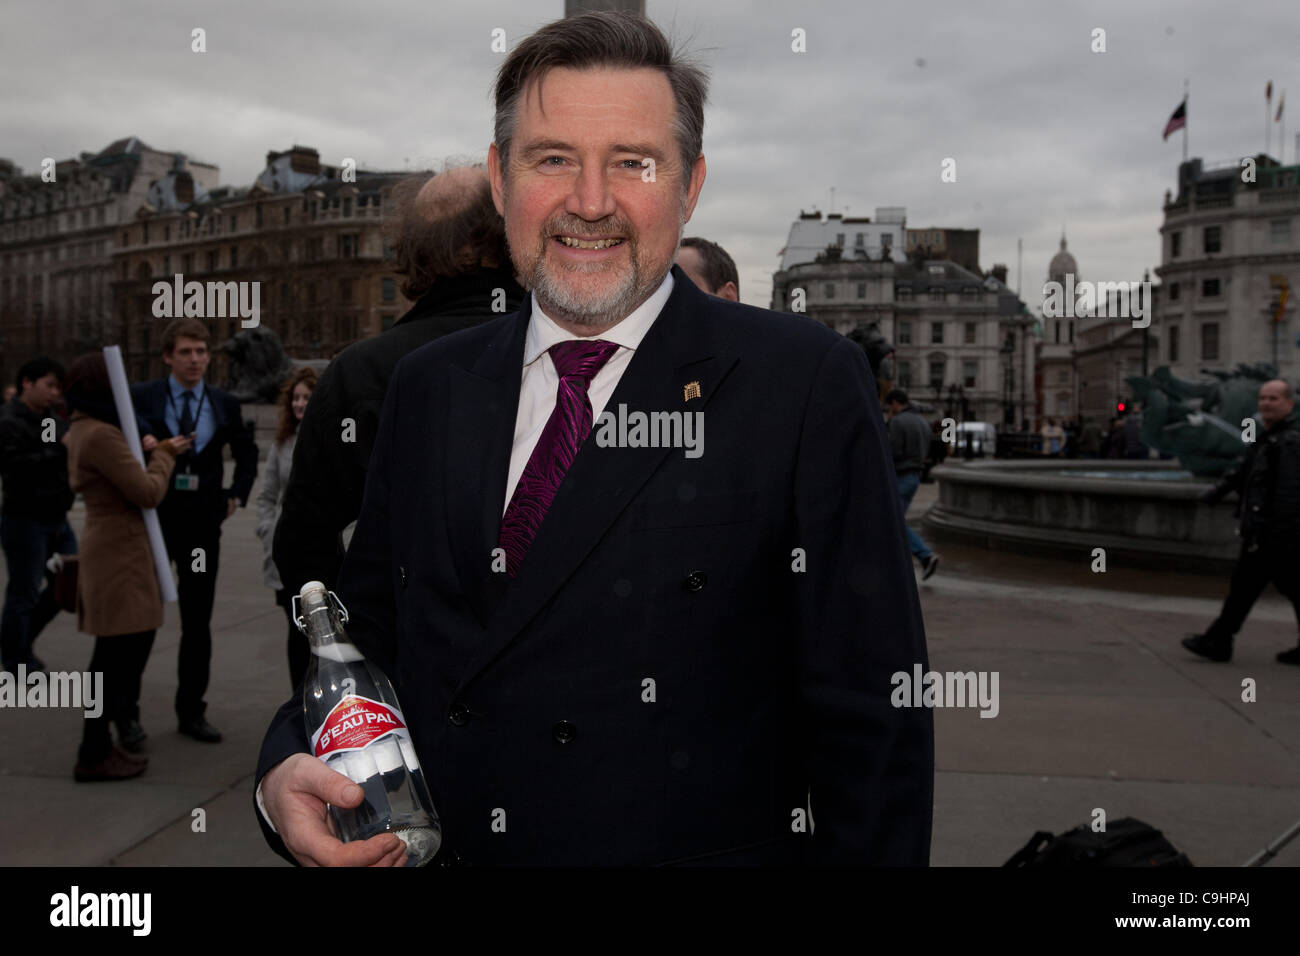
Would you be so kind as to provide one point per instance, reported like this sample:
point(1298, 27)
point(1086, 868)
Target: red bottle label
point(353, 723)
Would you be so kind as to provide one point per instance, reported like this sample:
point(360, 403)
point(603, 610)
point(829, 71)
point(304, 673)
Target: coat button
point(564, 732)
point(695, 581)
point(401, 575)
point(459, 715)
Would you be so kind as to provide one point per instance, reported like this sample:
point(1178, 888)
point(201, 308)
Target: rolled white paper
point(126, 415)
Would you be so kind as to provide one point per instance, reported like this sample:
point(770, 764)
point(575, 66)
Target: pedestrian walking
point(1267, 481)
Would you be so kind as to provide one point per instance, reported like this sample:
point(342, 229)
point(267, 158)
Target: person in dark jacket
point(197, 501)
point(1267, 481)
point(33, 516)
point(449, 243)
point(909, 439)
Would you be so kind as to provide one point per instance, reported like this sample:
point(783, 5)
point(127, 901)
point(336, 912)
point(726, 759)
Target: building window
point(284, 293)
point(830, 290)
point(345, 290)
point(1173, 343)
point(187, 262)
point(1175, 245)
point(903, 293)
point(936, 294)
point(970, 333)
point(212, 261)
point(904, 333)
point(904, 374)
point(1063, 376)
point(286, 215)
point(886, 240)
point(347, 206)
point(348, 246)
point(1173, 292)
point(389, 293)
point(839, 239)
point(859, 241)
point(1209, 288)
point(1058, 332)
point(1072, 331)
point(936, 333)
point(1279, 231)
point(862, 290)
point(386, 321)
point(167, 233)
point(936, 372)
point(167, 265)
point(1210, 342)
point(311, 297)
point(233, 221)
point(1213, 238)
point(234, 257)
point(968, 372)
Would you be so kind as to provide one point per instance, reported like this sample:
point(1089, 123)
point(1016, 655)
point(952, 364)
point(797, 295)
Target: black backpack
point(1125, 842)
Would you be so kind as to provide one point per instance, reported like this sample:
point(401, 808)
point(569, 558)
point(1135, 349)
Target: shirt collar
point(543, 332)
point(177, 389)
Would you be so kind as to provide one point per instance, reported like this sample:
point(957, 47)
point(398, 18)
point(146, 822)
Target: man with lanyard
point(196, 504)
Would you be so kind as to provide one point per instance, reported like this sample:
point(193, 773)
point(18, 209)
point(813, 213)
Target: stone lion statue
point(257, 365)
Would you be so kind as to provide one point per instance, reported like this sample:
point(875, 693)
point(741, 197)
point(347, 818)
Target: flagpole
point(1268, 109)
point(1184, 120)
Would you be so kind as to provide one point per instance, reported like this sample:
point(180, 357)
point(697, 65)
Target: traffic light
point(1119, 408)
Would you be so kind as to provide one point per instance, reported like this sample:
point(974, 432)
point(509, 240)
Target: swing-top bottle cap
point(313, 594)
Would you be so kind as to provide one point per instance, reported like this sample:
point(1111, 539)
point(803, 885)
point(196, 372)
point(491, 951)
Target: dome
point(1063, 263)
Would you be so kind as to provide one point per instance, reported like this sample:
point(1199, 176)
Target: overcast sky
point(1045, 132)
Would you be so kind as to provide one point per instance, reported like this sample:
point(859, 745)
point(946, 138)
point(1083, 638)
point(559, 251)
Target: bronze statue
point(258, 365)
point(1200, 422)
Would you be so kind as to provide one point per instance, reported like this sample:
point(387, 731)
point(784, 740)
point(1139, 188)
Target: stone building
point(307, 236)
point(1230, 244)
point(79, 255)
point(960, 337)
point(58, 232)
point(1055, 386)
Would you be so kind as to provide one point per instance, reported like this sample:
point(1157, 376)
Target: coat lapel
point(677, 350)
point(483, 403)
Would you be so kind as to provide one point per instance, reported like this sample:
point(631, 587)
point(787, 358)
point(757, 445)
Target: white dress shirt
point(541, 384)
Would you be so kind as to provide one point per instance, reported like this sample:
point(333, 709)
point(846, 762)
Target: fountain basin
point(1144, 513)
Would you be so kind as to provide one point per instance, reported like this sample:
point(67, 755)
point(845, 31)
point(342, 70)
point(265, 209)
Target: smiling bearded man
point(626, 654)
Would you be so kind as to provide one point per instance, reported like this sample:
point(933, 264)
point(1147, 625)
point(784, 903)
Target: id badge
point(187, 482)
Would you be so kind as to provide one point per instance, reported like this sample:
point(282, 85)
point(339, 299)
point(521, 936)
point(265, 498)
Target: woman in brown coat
point(118, 599)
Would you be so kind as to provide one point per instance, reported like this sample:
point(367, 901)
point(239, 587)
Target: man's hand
point(231, 505)
point(149, 442)
point(295, 793)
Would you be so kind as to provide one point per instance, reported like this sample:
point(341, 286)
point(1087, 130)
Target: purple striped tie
point(577, 363)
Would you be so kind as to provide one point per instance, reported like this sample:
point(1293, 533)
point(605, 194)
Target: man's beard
point(567, 302)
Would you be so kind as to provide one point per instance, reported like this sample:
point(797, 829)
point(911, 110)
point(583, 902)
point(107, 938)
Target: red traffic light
point(1119, 406)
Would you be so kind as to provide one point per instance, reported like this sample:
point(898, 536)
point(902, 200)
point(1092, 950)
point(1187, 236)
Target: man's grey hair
point(604, 39)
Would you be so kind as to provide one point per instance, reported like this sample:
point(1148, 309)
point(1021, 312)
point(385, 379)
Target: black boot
point(1211, 648)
